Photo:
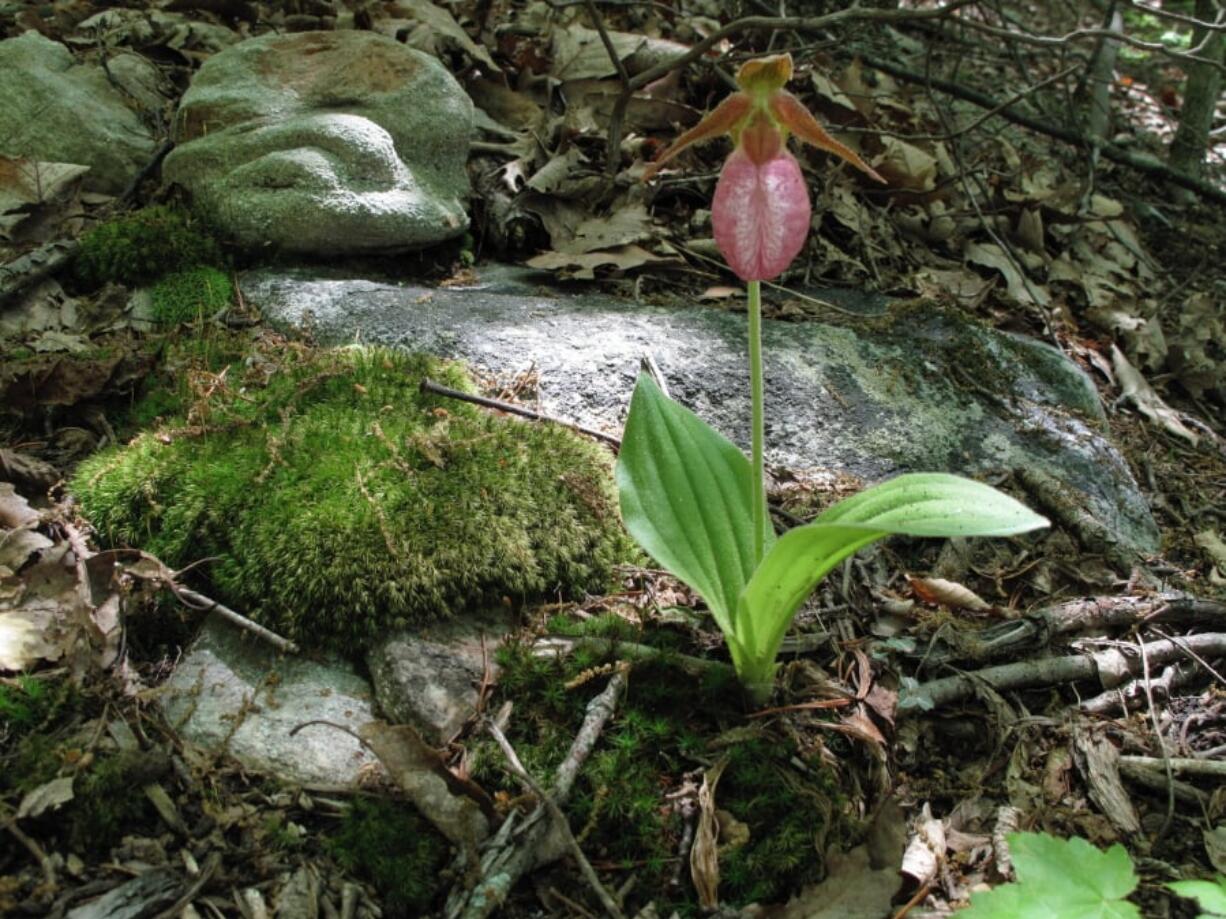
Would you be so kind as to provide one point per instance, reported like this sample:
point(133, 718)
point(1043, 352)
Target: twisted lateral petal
point(760, 214)
point(793, 115)
point(722, 119)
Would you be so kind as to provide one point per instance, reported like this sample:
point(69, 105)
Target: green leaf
point(918, 504)
point(1060, 879)
point(686, 493)
point(1210, 896)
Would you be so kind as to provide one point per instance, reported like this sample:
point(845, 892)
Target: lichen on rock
point(331, 500)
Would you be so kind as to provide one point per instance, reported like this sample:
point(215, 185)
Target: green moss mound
point(669, 727)
point(336, 501)
point(142, 246)
point(186, 296)
point(394, 849)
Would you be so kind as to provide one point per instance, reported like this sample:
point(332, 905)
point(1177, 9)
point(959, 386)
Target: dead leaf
point(940, 592)
point(1208, 540)
point(35, 197)
point(583, 265)
point(853, 889)
point(1136, 389)
point(440, 23)
point(925, 852)
point(906, 166)
point(1215, 846)
point(23, 636)
point(828, 90)
point(18, 546)
point(15, 510)
point(993, 256)
point(704, 856)
point(48, 796)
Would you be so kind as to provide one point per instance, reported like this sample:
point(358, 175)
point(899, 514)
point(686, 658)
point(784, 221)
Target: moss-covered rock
point(336, 501)
point(142, 246)
point(192, 294)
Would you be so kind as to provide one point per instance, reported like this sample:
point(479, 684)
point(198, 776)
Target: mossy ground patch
point(782, 803)
point(335, 501)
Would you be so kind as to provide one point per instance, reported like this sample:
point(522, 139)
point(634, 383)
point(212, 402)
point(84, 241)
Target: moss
point(339, 502)
point(109, 801)
point(396, 850)
point(142, 246)
point(30, 707)
point(665, 731)
point(192, 294)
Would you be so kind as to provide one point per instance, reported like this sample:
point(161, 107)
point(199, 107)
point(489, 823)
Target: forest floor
point(829, 785)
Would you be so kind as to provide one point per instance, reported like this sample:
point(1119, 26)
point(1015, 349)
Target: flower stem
point(756, 432)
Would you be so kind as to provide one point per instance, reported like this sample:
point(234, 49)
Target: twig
point(559, 820)
point(32, 846)
point(1183, 765)
point(521, 845)
point(632, 651)
point(1110, 666)
point(428, 385)
point(1166, 756)
point(201, 603)
point(206, 874)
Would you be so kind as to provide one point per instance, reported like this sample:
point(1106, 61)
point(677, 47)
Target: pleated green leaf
point(686, 493)
point(919, 504)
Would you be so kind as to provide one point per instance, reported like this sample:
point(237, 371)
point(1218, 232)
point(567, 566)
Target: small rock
point(430, 678)
point(54, 109)
point(232, 692)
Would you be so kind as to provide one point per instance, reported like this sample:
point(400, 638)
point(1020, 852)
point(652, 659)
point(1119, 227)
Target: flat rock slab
point(914, 388)
point(232, 693)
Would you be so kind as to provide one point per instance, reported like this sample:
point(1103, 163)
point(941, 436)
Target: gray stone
point(232, 692)
point(918, 388)
point(429, 678)
point(56, 110)
point(325, 143)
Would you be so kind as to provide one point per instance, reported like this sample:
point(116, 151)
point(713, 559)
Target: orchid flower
point(688, 495)
point(761, 209)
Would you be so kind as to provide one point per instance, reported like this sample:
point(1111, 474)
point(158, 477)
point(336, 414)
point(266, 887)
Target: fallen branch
point(523, 844)
point(428, 385)
point(1111, 667)
point(559, 820)
point(1089, 614)
point(1183, 765)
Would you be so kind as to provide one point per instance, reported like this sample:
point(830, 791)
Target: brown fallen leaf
point(940, 592)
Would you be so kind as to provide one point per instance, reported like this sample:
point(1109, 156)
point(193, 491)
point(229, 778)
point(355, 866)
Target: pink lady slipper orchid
point(761, 209)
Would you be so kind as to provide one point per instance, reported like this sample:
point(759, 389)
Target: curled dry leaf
point(941, 592)
point(704, 856)
point(926, 851)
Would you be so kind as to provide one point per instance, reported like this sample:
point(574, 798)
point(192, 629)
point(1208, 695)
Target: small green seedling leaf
point(1210, 896)
point(1060, 879)
point(685, 496)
